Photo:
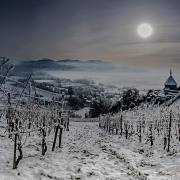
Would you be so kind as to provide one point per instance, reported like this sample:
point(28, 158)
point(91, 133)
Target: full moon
point(145, 30)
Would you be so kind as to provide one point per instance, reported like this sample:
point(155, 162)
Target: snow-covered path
point(88, 157)
point(88, 153)
point(83, 156)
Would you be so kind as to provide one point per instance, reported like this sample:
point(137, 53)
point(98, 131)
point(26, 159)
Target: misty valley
point(85, 127)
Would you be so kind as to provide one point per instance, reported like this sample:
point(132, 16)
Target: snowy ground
point(87, 153)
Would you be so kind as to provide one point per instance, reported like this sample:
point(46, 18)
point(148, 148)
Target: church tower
point(170, 83)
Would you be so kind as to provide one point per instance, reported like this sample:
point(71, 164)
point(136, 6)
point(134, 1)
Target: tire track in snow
point(106, 147)
point(103, 162)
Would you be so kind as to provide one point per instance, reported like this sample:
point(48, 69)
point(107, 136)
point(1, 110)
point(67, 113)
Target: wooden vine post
point(44, 146)
point(151, 134)
point(15, 145)
point(169, 132)
point(60, 136)
point(121, 125)
point(140, 132)
point(55, 137)
point(99, 121)
point(126, 129)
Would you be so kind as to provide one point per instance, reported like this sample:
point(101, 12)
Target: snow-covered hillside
point(87, 153)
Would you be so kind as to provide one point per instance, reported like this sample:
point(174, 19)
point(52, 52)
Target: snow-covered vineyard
point(42, 141)
point(88, 152)
point(157, 127)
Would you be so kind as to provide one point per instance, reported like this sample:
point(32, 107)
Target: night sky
point(91, 29)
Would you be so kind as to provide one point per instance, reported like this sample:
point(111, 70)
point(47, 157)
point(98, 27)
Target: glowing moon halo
point(145, 30)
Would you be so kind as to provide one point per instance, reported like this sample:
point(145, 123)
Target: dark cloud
point(89, 29)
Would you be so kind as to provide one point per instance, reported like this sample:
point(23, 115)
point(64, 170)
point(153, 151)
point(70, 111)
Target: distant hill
point(95, 61)
point(39, 65)
point(69, 61)
point(45, 64)
point(79, 61)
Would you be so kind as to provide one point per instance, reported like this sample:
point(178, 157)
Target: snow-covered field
point(87, 153)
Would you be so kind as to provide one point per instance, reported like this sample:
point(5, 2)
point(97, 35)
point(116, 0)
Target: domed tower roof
point(170, 81)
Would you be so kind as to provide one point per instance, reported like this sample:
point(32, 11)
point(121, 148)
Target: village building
point(170, 85)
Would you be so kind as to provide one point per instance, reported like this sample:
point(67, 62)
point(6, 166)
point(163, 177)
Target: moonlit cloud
point(91, 29)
